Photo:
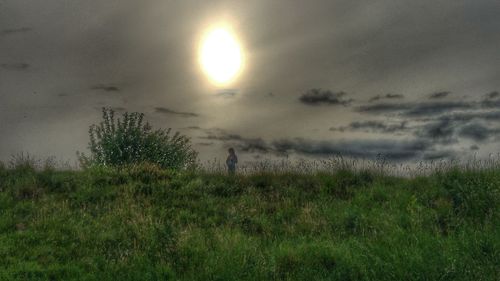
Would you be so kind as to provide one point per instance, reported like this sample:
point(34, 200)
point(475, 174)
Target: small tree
point(128, 140)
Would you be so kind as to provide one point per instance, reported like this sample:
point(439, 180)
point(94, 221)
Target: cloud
point(223, 137)
point(319, 96)
point(391, 149)
point(422, 146)
point(490, 103)
point(227, 93)
point(439, 95)
point(240, 143)
point(493, 95)
point(16, 30)
point(492, 100)
point(373, 126)
point(164, 110)
point(415, 109)
point(253, 145)
point(430, 108)
point(441, 131)
point(474, 147)
point(465, 117)
point(18, 66)
point(387, 96)
point(396, 150)
point(478, 132)
point(192, 128)
point(383, 108)
point(106, 88)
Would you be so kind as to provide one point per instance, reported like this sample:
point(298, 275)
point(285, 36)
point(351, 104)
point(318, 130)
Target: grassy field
point(143, 223)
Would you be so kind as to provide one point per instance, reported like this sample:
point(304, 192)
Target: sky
point(410, 80)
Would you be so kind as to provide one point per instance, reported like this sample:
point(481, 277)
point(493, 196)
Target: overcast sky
point(409, 79)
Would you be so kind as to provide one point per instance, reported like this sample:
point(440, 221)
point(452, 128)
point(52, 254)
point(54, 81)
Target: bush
point(127, 140)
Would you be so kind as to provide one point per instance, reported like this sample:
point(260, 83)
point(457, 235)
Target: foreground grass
point(147, 224)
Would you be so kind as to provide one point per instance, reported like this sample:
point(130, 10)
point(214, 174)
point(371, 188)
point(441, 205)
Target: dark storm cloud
point(492, 100)
point(18, 66)
point(16, 30)
point(431, 108)
point(465, 117)
point(396, 150)
point(167, 111)
point(490, 103)
point(390, 149)
point(319, 96)
point(387, 96)
point(373, 126)
point(442, 131)
point(439, 95)
point(478, 132)
point(106, 88)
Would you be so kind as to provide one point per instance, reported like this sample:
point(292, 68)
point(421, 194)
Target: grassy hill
point(143, 223)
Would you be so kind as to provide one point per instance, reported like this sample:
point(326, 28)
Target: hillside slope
point(147, 224)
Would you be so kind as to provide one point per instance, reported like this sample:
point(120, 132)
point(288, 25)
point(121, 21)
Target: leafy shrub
point(128, 140)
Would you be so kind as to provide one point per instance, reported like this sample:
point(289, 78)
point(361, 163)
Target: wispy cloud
point(241, 143)
point(416, 109)
point(439, 95)
point(373, 126)
point(168, 111)
point(17, 66)
point(106, 88)
point(387, 96)
point(227, 93)
point(9, 31)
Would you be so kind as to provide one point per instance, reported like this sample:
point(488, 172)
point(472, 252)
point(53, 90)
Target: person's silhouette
point(231, 161)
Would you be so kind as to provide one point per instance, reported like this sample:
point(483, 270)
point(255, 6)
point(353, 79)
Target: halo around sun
point(221, 56)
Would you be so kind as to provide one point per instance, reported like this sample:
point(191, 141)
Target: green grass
point(144, 223)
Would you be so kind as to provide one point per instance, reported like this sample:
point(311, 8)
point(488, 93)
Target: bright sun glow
point(220, 56)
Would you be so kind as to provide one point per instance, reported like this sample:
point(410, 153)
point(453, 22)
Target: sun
point(221, 56)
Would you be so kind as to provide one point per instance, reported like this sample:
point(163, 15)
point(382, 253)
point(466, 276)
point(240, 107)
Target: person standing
point(231, 161)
